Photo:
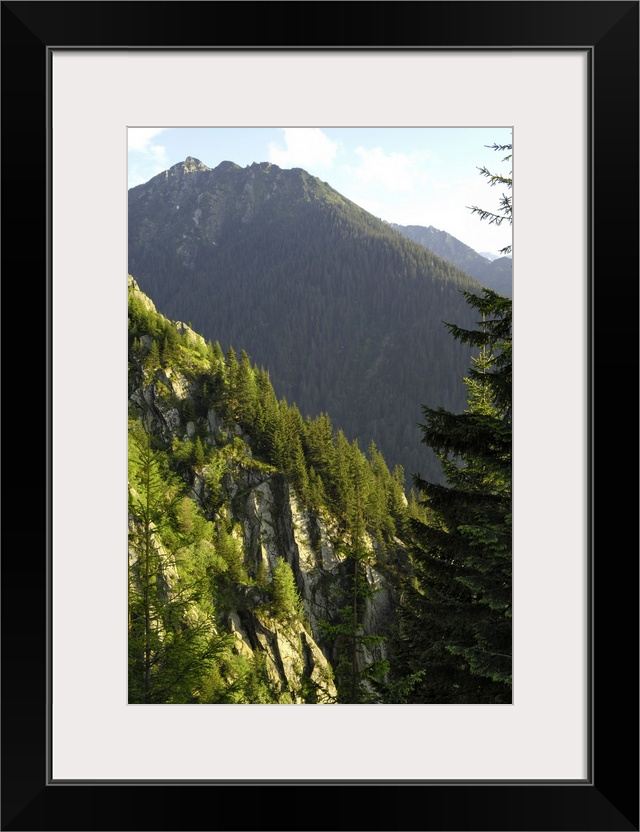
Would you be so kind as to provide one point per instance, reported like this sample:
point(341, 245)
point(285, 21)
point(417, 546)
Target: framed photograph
point(564, 78)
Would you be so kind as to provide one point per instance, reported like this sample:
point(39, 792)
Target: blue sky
point(409, 176)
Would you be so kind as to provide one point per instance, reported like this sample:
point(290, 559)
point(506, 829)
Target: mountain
point(264, 557)
point(492, 271)
point(344, 312)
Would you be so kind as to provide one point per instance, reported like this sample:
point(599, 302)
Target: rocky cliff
point(291, 597)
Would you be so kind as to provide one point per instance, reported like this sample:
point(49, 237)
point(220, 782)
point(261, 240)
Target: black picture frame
point(608, 798)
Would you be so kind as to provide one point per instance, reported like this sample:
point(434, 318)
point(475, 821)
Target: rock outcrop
point(271, 524)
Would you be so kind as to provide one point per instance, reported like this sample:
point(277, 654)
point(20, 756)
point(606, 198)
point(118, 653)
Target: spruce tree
point(287, 603)
point(245, 391)
point(461, 603)
point(358, 674)
point(454, 640)
point(174, 646)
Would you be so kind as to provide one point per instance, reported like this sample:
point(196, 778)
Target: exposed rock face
point(271, 523)
point(193, 337)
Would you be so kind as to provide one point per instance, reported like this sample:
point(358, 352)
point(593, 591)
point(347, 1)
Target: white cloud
point(397, 172)
point(305, 147)
point(140, 141)
point(146, 158)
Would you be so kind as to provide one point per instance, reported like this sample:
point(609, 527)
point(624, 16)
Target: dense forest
point(343, 311)
point(247, 519)
point(494, 274)
point(274, 560)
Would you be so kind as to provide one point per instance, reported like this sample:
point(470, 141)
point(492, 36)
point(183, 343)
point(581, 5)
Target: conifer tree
point(455, 634)
point(267, 416)
point(319, 447)
point(505, 206)
point(173, 642)
point(357, 675)
point(170, 346)
point(459, 611)
point(287, 603)
point(245, 391)
point(198, 452)
point(152, 361)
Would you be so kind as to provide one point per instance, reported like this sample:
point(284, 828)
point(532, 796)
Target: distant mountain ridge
point(344, 312)
point(492, 271)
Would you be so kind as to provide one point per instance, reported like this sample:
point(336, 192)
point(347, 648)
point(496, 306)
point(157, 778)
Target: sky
point(408, 176)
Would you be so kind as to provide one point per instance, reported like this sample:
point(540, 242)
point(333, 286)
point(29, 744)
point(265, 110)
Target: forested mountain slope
point(495, 274)
point(265, 550)
point(344, 312)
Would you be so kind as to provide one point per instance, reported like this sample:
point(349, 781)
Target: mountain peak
point(190, 165)
point(226, 165)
